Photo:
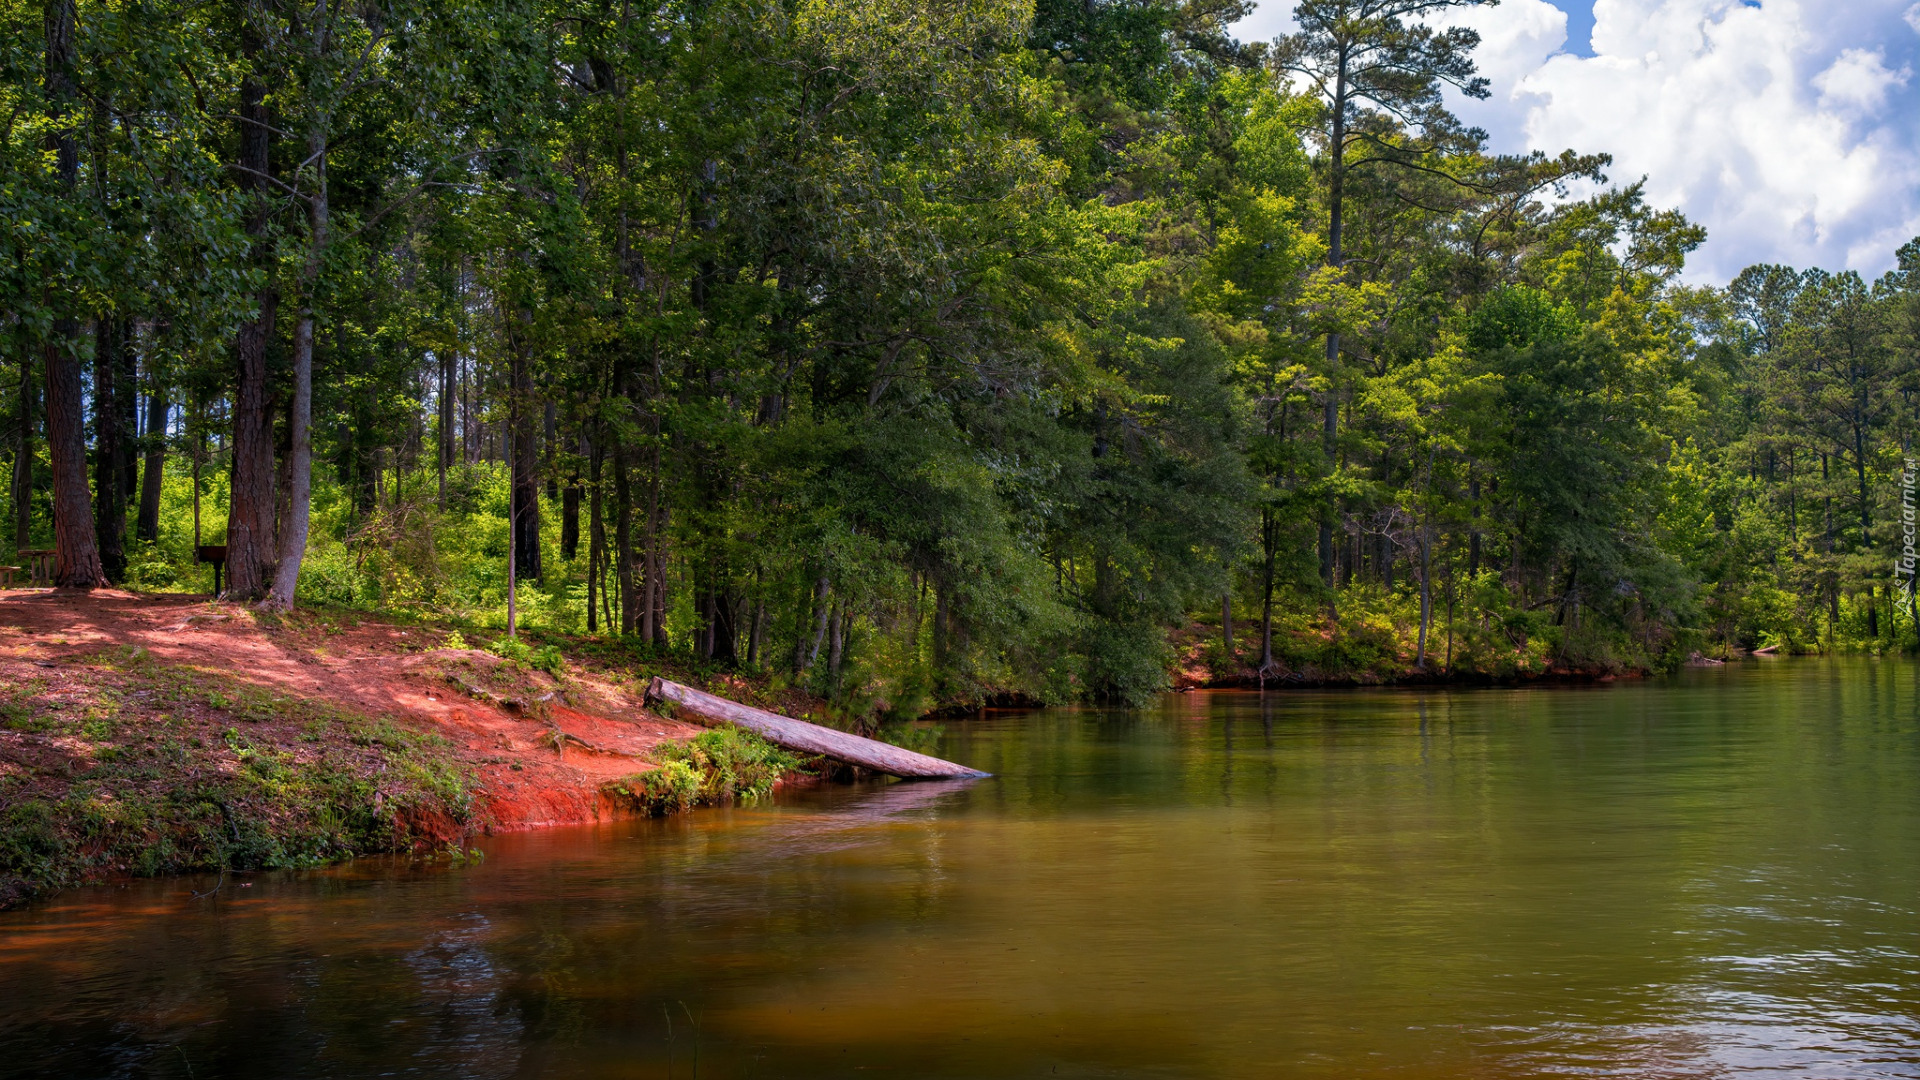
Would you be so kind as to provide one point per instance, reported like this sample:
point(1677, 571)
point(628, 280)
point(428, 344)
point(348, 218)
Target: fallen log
point(798, 735)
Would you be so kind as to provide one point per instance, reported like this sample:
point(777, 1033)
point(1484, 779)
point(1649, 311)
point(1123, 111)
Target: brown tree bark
point(836, 645)
point(657, 592)
point(1270, 542)
point(445, 439)
point(1336, 200)
point(127, 404)
point(651, 586)
point(822, 612)
point(78, 563)
point(23, 455)
point(250, 514)
point(154, 467)
point(526, 485)
point(726, 626)
point(550, 449)
point(295, 525)
point(596, 535)
point(1426, 595)
point(1226, 622)
point(623, 540)
point(110, 448)
point(570, 507)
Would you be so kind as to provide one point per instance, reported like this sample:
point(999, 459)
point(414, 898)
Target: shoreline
point(144, 735)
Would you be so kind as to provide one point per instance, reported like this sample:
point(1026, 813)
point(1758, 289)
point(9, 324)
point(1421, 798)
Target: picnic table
point(40, 560)
point(215, 554)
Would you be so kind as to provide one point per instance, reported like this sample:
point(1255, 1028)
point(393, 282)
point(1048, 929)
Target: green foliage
point(1519, 317)
point(546, 658)
point(919, 354)
point(722, 766)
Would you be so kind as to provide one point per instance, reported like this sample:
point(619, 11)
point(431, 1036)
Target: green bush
point(547, 658)
point(725, 765)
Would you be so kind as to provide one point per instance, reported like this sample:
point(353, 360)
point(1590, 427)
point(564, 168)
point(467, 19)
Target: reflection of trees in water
point(324, 979)
point(1656, 878)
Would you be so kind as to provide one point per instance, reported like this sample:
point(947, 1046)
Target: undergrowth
point(724, 765)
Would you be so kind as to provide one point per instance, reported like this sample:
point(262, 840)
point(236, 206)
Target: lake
point(1709, 874)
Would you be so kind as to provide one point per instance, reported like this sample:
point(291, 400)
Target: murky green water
point(1704, 876)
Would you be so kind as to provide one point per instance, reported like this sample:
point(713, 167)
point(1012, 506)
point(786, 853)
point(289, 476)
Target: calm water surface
point(1705, 876)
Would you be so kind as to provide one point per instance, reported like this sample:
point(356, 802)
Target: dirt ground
point(540, 747)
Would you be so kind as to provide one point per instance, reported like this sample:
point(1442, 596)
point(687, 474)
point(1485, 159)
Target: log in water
point(791, 734)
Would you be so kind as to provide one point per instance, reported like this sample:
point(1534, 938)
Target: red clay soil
point(540, 748)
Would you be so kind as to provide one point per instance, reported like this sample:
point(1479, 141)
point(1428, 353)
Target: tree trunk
point(1336, 205)
point(1426, 597)
point(293, 538)
point(1473, 537)
point(822, 613)
point(802, 615)
point(127, 405)
point(23, 455)
point(941, 646)
point(652, 629)
point(726, 626)
point(199, 443)
point(282, 432)
point(513, 576)
point(444, 441)
point(526, 483)
point(78, 564)
point(703, 628)
point(250, 513)
point(836, 645)
point(550, 450)
point(1270, 538)
point(570, 508)
point(806, 738)
point(110, 447)
point(1226, 623)
point(293, 533)
point(151, 475)
point(756, 631)
point(657, 594)
point(596, 534)
point(1866, 526)
point(623, 540)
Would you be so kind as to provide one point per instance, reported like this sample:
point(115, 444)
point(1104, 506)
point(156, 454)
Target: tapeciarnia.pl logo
point(1903, 567)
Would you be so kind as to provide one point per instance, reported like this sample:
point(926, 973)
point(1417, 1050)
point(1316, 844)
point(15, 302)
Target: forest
point(917, 352)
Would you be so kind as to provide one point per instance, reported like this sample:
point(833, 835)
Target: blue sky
point(1789, 128)
point(1579, 25)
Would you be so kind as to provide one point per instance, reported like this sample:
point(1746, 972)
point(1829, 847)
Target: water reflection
point(1693, 878)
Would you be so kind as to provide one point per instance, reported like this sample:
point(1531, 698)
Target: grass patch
point(144, 768)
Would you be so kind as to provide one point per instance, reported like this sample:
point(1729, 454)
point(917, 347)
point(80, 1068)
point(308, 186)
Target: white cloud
point(1859, 80)
point(1270, 19)
point(1515, 39)
point(1789, 128)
